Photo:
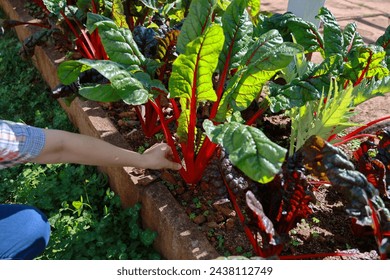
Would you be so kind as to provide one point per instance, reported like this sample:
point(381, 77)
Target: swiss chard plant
point(221, 68)
point(345, 57)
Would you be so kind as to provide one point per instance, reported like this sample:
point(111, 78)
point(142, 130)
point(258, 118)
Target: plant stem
point(262, 108)
point(351, 135)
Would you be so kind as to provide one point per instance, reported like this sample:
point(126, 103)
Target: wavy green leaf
point(367, 62)
point(352, 39)
point(254, 8)
point(384, 42)
point(238, 30)
point(248, 148)
point(307, 86)
point(304, 32)
point(196, 23)
point(154, 86)
point(123, 84)
point(151, 4)
point(118, 14)
point(193, 70)
point(55, 6)
point(295, 94)
point(333, 38)
point(118, 42)
point(268, 55)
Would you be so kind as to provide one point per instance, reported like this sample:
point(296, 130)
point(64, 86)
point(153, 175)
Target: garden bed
point(207, 204)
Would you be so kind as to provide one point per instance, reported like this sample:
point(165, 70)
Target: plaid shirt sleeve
point(19, 143)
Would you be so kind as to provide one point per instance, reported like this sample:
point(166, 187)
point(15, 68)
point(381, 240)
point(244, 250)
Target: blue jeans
point(24, 232)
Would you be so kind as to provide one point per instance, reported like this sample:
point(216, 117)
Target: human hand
point(160, 156)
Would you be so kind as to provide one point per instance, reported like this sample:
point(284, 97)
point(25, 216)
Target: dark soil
point(325, 232)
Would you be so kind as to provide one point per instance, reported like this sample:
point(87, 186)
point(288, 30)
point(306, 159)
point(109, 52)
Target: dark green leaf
point(264, 59)
point(55, 6)
point(384, 42)
point(118, 42)
point(248, 148)
point(101, 93)
point(352, 39)
point(333, 37)
point(123, 84)
point(238, 30)
point(294, 94)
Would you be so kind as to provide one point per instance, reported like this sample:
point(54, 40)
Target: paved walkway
point(371, 16)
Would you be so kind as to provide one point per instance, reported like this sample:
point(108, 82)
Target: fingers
point(168, 155)
point(175, 166)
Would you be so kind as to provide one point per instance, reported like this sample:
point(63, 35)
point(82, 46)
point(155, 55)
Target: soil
point(326, 231)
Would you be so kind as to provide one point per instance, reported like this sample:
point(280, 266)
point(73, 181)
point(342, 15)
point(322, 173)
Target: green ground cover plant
point(87, 219)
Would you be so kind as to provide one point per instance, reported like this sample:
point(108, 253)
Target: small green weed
point(197, 202)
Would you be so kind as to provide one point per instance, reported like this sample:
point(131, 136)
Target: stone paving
point(371, 16)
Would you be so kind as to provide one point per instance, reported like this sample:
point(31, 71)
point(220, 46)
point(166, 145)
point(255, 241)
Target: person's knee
point(37, 226)
point(28, 232)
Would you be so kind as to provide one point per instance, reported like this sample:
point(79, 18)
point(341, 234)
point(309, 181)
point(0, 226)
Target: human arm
point(66, 147)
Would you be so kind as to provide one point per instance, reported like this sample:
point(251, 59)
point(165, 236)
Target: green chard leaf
point(295, 94)
point(238, 30)
point(384, 42)
point(304, 32)
point(154, 86)
point(69, 71)
point(122, 84)
point(118, 42)
point(268, 55)
point(248, 148)
point(191, 78)
point(254, 8)
point(308, 86)
point(196, 23)
point(333, 36)
point(366, 62)
point(118, 13)
point(352, 39)
point(55, 6)
point(151, 4)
